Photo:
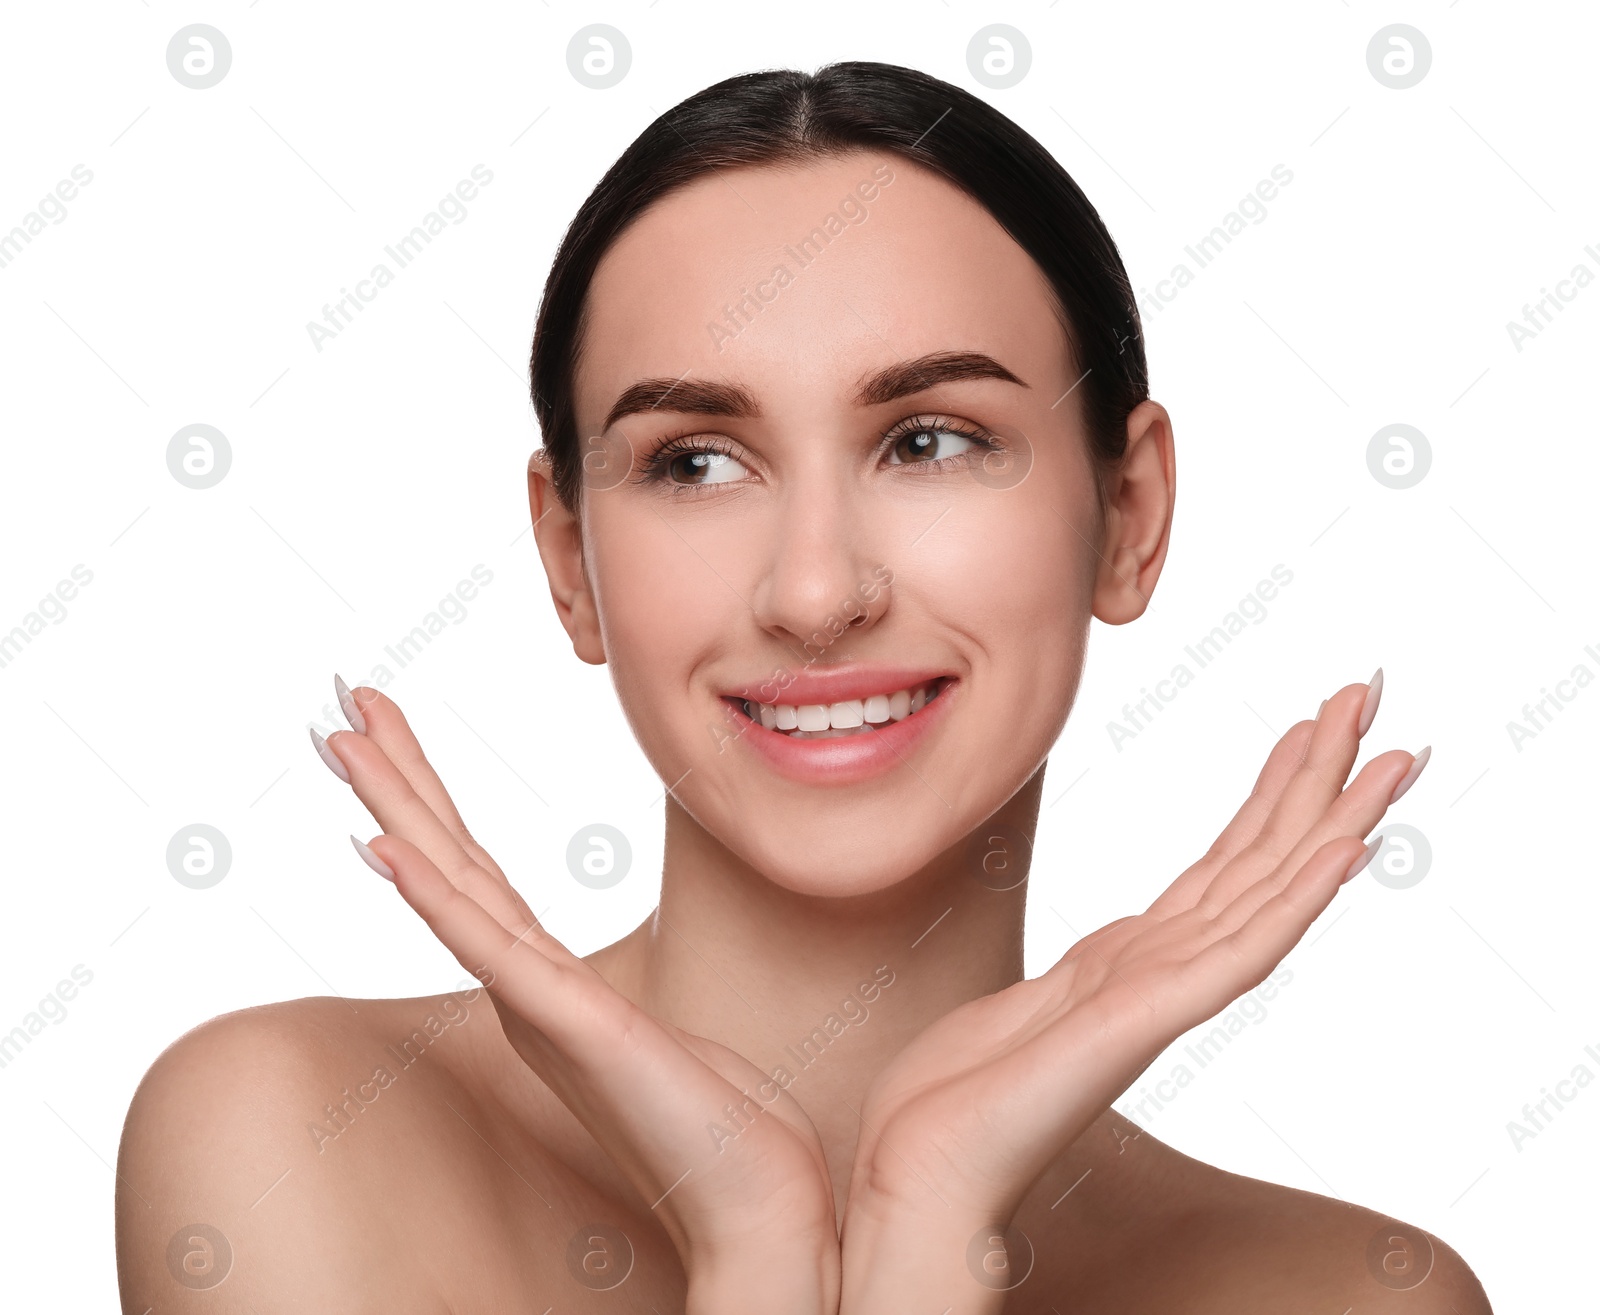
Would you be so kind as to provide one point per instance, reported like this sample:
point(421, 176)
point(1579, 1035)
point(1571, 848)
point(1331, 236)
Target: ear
point(559, 535)
point(1138, 517)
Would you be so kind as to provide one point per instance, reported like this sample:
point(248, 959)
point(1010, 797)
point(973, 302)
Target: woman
point(847, 437)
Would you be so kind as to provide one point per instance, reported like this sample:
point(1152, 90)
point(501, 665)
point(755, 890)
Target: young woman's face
point(859, 512)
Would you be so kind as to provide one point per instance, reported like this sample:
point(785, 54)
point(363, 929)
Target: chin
point(840, 854)
point(841, 871)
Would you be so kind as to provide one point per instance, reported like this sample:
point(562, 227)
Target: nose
point(821, 576)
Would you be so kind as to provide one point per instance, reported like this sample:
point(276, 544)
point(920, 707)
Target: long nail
point(1369, 709)
point(328, 756)
point(347, 701)
point(372, 860)
point(1364, 859)
point(1410, 778)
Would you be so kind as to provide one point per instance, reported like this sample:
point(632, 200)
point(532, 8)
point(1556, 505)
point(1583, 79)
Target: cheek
point(1011, 563)
point(638, 577)
point(660, 604)
point(1016, 578)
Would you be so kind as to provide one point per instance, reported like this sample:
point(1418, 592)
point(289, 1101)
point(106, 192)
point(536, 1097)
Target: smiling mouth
point(825, 721)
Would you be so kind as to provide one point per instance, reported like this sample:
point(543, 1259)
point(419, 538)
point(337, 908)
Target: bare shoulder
point(313, 1154)
point(1280, 1248)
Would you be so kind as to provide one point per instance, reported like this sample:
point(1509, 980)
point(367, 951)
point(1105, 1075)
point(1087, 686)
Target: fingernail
point(1369, 709)
point(1410, 778)
point(372, 860)
point(328, 756)
point(1366, 857)
point(1320, 707)
point(347, 701)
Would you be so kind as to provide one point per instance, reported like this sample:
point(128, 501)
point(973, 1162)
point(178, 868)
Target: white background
point(368, 478)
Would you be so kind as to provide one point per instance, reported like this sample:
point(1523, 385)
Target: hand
point(644, 1089)
point(960, 1124)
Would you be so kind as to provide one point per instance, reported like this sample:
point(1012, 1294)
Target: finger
point(1320, 778)
point(1354, 813)
point(590, 1045)
point(1281, 765)
point(401, 812)
point(1315, 780)
point(524, 967)
point(385, 725)
point(583, 1022)
point(1256, 936)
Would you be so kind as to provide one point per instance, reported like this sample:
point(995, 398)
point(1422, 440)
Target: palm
point(978, 1105)
point(1051, 1052)
point(652, 1094)
point(656, 1096)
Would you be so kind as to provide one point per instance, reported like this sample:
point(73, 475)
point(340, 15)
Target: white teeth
point(813, 717)
point(842, 716)
point(845, 716)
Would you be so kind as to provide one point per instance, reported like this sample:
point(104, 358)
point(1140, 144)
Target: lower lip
point(844, 759)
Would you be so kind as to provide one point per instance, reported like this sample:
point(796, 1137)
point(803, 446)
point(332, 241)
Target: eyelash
point(654, 466)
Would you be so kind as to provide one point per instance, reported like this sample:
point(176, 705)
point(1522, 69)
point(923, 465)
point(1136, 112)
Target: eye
point(916, 441)
point(687, 463)
point(697, 460)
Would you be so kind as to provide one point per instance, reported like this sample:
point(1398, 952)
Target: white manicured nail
point(1364, 859)
point(1369, 709)
point(347, 701)
point(328, 756)
point(1410, 778)
point(372, 860)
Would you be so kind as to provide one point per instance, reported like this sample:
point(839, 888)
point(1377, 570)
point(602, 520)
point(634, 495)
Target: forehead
point(796, 280)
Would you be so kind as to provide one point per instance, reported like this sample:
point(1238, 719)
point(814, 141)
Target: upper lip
point(834, 684)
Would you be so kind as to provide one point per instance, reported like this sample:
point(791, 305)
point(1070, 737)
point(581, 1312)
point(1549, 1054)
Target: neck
point(827, 989)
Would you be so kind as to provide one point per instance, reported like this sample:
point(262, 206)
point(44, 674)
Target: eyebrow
point(708, 397)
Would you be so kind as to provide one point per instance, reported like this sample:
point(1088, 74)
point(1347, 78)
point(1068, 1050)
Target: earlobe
point(585, 629)
point(1138, 518)
point(559, 537)
point(1118, 597)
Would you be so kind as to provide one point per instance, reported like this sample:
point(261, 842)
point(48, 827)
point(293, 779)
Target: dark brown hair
point(784, 116)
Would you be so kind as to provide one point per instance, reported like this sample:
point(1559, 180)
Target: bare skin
point(558, 1104)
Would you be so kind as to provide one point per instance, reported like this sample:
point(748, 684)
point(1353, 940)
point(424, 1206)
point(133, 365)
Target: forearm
point(928, 1263)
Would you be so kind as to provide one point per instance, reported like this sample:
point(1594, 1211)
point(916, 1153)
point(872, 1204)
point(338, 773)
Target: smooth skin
point(971, 1098)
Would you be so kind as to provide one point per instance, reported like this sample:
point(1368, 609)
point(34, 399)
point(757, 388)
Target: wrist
point(938, 1259)
point(786, 1276)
